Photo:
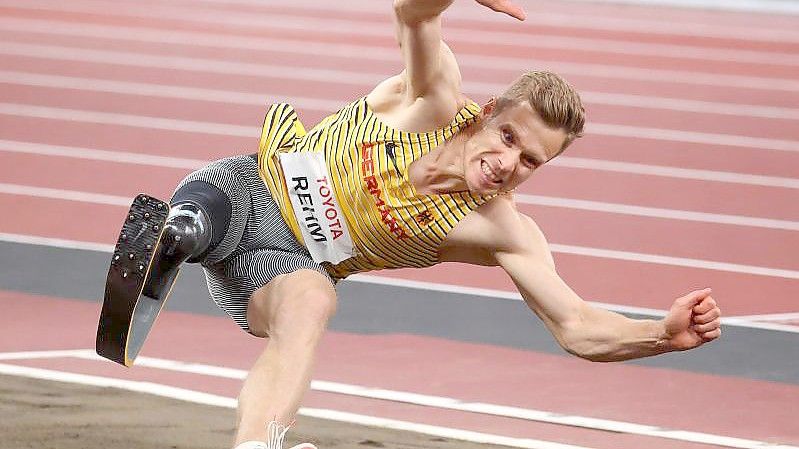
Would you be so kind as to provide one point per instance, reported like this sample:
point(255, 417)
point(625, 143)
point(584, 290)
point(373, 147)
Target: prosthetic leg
point(155, 240)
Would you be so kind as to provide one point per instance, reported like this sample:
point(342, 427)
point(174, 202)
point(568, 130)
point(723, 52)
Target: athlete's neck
point(442, 169)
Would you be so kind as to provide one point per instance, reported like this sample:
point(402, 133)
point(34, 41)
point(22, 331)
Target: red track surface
point(747, 409)
point(431, 366)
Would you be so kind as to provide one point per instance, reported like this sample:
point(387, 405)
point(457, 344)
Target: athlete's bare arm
point(497, 234)
point(426, 95)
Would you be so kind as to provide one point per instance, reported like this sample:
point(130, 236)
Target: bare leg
point(292, 311)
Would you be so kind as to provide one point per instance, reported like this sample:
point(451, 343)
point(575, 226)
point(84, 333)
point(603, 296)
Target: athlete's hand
point(505, 6)
point(693, 320)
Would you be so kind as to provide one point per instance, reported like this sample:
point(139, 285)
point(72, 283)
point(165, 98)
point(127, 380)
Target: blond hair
point(552, 97)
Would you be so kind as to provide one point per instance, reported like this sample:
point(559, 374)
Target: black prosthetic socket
point(197, 223)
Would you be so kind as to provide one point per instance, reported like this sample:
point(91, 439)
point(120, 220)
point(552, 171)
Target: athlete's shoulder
point(496, 226)
point(393, 105)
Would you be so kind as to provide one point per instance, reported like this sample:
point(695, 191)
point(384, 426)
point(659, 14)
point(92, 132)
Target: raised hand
point(693, 320)
point(505, 6)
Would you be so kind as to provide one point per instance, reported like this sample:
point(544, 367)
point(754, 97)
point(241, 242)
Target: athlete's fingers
point(705, 305)
point(692, 299)
point(505, 6)
point(707, 317)
point(711, 335)
point(707, 327)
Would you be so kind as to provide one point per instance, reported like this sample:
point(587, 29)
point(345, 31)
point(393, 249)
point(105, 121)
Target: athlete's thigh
point(303, 299)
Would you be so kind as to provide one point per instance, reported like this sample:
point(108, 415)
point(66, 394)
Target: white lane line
point(169, 91)
point(576, 69)
point(532, 40)
point(137, 121)
point(447, 403)
point(121, 157)
point(121, 201)
point(761, 6)
point(514, 296)
point(561, 161)
point(594, 19)
point(768, 317)
point(692, 137)
point(674, 261)
point(63, 194)
point(51, 354)
point(260, 98)
point(194, 126)
point(655, 212)
point(674, 172)
point(56, 243)
point(281, 20)
point(537, 200)
point(88, 197)
point(333, 415)
point(403, 283)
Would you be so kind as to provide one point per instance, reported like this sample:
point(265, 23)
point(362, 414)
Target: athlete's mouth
point(489, 173)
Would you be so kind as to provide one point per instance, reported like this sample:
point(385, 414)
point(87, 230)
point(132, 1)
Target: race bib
point(321, 222)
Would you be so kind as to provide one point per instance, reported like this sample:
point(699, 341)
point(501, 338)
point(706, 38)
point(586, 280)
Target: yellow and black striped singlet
point(391, 225)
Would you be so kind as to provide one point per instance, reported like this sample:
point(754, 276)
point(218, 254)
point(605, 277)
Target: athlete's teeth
point(487, 172)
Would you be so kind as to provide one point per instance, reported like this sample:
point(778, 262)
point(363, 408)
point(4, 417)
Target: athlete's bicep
point(530, 265)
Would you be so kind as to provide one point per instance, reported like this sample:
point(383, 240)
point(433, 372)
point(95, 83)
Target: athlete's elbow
point(576, 341)
point(411, 12)
point(406, 11)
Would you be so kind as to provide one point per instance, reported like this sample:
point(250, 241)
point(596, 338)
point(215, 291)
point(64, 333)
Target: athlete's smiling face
point(508, 148)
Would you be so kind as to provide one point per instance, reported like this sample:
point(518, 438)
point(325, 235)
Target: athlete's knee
point(200, 213)
point(293, 304)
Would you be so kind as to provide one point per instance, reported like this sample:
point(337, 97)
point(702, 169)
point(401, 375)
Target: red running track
point(739, 105)
point(474, 373)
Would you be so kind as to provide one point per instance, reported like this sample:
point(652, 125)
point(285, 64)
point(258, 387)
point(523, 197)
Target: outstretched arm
point(429, 64)
point(597, 334)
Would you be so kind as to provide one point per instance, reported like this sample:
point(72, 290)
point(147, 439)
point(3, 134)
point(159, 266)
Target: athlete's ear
point(488, 108)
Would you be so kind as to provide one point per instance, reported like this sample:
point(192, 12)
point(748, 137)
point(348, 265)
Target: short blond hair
point(552, 97)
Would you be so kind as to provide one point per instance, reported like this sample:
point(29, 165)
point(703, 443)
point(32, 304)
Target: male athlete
point(410, 175)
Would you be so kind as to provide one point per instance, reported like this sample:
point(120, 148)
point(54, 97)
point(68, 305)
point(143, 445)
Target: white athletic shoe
point(275, 433)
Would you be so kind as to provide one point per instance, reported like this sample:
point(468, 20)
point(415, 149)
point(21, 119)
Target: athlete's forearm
point(605, 336)
point(411, 11)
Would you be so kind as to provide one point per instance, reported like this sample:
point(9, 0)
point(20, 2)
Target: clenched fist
point(693, 320)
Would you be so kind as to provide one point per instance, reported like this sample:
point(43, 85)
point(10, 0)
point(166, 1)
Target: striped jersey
point(390, 224)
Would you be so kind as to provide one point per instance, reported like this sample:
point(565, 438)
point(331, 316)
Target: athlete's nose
point(506, 161)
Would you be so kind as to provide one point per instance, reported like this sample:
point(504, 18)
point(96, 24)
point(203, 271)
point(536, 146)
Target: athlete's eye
point(507, 137)
point(529, 161)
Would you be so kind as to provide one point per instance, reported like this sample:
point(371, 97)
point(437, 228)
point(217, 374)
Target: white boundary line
point(674, 261)
point(290, 46)
point(259, 98)
point(769, 317)
point(201, 127)
point(333, 415)
point(561, 161)
point(575, 20)
point(121, 157)
point(760, 6)
point(438, 402)
point(533, 41)
point(525, 199)
point(419, 285)
point(580, 18)
point(506, 63)
point(614, 208)
point(670, 172)
point(654, 212)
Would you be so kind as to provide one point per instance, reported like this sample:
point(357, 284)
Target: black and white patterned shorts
point(258, 244)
